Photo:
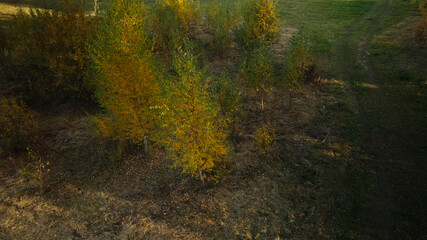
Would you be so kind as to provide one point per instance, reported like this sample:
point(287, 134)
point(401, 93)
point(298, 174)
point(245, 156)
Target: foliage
point(222, 19)
point(169, 18)
point(193, 131)
point(125, 81)
point(17, 124)
point(229, 99)
point(48, 51)
point(420, 28)
point(298, 65)
point(261, 24)
point(264, 139)
point(257, 72)
point(185, 11)
point(39, 167)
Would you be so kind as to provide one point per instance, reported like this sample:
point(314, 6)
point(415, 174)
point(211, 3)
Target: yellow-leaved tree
point(125, 81)
point(193, 130)
point(261, 24)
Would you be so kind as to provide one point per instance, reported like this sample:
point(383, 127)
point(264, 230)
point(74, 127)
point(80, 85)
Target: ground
point(349, 159)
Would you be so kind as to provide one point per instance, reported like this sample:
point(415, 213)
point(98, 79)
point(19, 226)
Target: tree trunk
point(201, 175)
point(262, 103)
point(95, 7)
point(145, 146)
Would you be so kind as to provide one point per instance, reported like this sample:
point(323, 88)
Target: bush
point(257, 72)
point(38, 169)
point(17, 125)
point(48, 51)
point(260, 26)
point(299, 66)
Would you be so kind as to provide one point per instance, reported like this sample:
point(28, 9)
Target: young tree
point(47, 51)
point(298, 66)
point(257, 73)
point(261, 24)
point(229, 99)
point(194, 132)
point(169, 18)
point(125, 81)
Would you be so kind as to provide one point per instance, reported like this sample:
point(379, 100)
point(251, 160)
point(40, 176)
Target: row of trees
point(139, 63)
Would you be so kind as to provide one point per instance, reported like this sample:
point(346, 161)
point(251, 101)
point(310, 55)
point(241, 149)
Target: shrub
point(264, 140)
point(222, 19)
point(260, 26)
point(229, 99)
point(193, 131)
point(17, 125)
point(421, 26)
point(48, 51)
point(39, 167)
point(126, 84)
point(299, 66)
point(257, 72)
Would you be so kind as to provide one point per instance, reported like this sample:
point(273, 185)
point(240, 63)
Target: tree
point(261, 24)
point(48, 51)
point(193, 130)
point(170, 18)
point(298, 66)
point(230, 100)
point(257, 73)
point(125, 81)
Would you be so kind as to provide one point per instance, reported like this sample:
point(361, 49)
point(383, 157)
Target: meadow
point(313, 129)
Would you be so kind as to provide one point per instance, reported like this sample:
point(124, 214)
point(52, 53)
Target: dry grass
point(89, 197)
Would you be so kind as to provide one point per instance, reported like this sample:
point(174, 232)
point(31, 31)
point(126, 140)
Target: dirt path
point(395, 193)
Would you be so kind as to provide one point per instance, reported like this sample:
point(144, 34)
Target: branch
point(329, 131)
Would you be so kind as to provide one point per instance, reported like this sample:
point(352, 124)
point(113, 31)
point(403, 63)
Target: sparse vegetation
point(201, 84)
point(38, 169)
point(264, 140)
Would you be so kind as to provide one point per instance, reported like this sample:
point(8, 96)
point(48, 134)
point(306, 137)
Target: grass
point(330, 150)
